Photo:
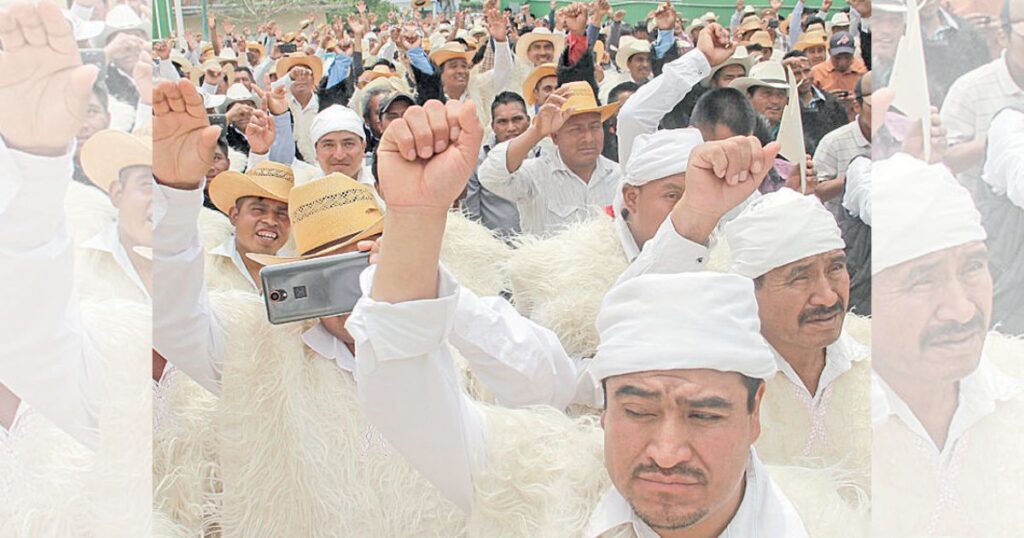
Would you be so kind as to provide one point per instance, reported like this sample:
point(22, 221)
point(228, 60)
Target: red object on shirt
point(610, 210)
point(578, 46)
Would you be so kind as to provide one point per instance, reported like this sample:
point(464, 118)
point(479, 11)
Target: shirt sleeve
point(408, 387)
point(958, 114)
point(502, 66)
point(495, 177)
point(419, 60)
point(644, 110)
point(1004, 165)
point(185, 330)
point(857, 198)
point(795, 26)
point(824, 159)
point(667, 253)
point(44, 357)
point(283, 149)
point(665, 40)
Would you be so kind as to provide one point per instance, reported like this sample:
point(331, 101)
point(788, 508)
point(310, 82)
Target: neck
point(143, 266)
point(807, 362)
point(805, 97)
point(866, 132)
point(251, 266)
point(1015, 66)
point(933, 403)
point(714, 524)
point(584, 171)
point(454, 93)
point(303, 98)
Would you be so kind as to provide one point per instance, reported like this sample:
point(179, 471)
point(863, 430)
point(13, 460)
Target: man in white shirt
point(302, 376)
point(562, 187)
point(662, 470)
point(304, 72)
point(946, 446)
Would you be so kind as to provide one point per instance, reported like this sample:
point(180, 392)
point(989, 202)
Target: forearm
point(283, 149)
point(519, 148)
point(964, 156)
point(679, 246)
point(409, 258)
point(828, 190)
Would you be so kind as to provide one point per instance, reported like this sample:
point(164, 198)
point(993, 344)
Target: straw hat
point(752, 24)
point(213, 65)
point(238, 93)
point(629, 46)
point(205, 52)
point(228, 55)
point(538, 73)
point(539, 34)
point(582, 100)
point(266, 180)
point(840, 20)
point(740, 56)
point(709, 17)
point(380, 71)
point(109, 151)
point(258, 47)
point(600, 53)
point(771, 74)
point(178, 58)
point(328, 214)
point(478, 32)
point(450, 51)
point(314, 63)
point(760, 37)
point(122, 18)
point(811, 39)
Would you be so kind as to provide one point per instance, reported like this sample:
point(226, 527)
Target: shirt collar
point(325, 344)
point(626, 238)
point(229, 249)
point(1006, 82)
point(109, 241)
point(816, 95)
point(858, 136)
point(839, 358)
point(764, 512)
point(313, 103)
point(946, 21)
point(601, 167)
point(978, 395)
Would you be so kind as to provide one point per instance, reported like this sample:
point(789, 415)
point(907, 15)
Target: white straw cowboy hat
point(268, 179)
point(327, 215)
point(238, 93)
point(109, 151)
point(628, 47)
point(539, 34)
point(771, 74)
point(122, 18)
point(450, 51)
point(740, 56)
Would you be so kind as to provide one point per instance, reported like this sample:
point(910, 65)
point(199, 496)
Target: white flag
point(791, 132)
point(909, 79)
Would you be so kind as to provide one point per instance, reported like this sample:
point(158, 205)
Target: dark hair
point(100, 91)
point(795, 54)
point(247, 70)
point(619, 89)
point(505, 98)
point(725, 106)
point(383, 61)
point(222, 143)
point(752, 384)
point(812, 20)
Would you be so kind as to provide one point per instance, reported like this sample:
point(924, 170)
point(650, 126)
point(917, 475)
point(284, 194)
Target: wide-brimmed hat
point(266, 180)
point(811, 39)
point(228, 55)
point(328, 214)
point(213, 64)
point(83, 30)
point(601, 53)
point(109, 151)
point(752, 24)
point(258, 47)
point(840, 20)
point(380, 71)
point(740, 56)
point(314, 63)
point(762, 38)
point(583, 101)
point(629, 46)
point(771, 74)
point(122, 18)
point(450, 51)
point(178, 58)
point(538, 73)
point(238, 93)
point(539, 34)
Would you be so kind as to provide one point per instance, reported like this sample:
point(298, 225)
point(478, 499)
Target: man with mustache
point(947, 457)
point(680, 414)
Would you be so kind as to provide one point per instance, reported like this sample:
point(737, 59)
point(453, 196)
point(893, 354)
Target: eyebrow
point(630, 390)
point(711, 402)
point(799, 269)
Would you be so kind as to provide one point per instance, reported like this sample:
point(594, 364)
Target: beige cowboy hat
point(109, 151)
point(740, 56)
point(314, 63)
point(771, 74)
point(539, 34)
point(840, 22)
point(814, 38)
point(205, 52)
point(328, 214)
point(258, 47)
point(228, 56)
point(582, 101)
point(266, 180)
point(752, 24)
point(760, 37)
point(601, 53)
point(178, 58)
point(629, 46)
point(380, 71)
point(213, 65)
point(538, 74)
point(450, 51)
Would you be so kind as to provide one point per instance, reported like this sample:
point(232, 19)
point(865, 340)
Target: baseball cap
point(840, 42)
point(390, 99)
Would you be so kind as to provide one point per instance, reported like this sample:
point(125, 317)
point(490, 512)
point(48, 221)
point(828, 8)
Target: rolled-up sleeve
point(495, 177)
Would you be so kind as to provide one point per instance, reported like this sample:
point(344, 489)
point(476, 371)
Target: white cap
point(918, 209)
point(657, 155)
point(779, 228)
point(336, 118)
point(681, 322)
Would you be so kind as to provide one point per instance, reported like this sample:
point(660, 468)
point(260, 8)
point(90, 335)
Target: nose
point(954, 303)
point(670, 444)
point(823, 293)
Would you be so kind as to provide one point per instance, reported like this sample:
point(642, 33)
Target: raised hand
point(619, 16)
point(361, 7)
point(410, 36)
point(44, 88)
point(575, 16)
point(162, 49)
point(827, 5)
point(142, 75)
point(260, 132)
point(183, 139)
point(776, 5)
point(714, 42)
point(719, 176)
point(551, 117)
point(356, 26)
point(229, 27)
point(427, 156)
point(665, 16)
point(598, 10)
point(276, 100)
point(793, 181)
point(497, 25)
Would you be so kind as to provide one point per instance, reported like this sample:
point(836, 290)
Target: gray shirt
point(496, 213)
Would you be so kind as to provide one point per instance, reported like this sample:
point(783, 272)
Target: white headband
point(336, 118)
point(681, 322)
point(656, 156)
point(918, 209)
point(779, 228)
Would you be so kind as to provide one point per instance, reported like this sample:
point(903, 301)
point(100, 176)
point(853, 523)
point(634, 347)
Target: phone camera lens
point(278, 295)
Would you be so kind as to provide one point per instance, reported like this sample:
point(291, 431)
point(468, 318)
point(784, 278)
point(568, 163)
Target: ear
point(603, 411)
point(755, 416)
point(631, 198)
point(116, 193)
point(233, 215)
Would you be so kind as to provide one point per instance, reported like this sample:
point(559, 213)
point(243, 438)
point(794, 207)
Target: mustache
point(680, 470)
point(821, 312)
point(953, 330)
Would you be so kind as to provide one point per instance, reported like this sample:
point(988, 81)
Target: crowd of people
point(599, 301)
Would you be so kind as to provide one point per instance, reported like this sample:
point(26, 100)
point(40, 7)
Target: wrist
point(693, 223)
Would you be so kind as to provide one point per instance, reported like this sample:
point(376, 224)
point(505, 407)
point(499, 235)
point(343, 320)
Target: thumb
point(472, 133)
point(208, 139)
point(768, 154)
point(80, 89)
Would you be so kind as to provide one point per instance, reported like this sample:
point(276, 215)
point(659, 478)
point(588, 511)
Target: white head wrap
point(918, 209)
point(780, 228)
point(656, 156)
point(681, 322)
point(336, 118)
